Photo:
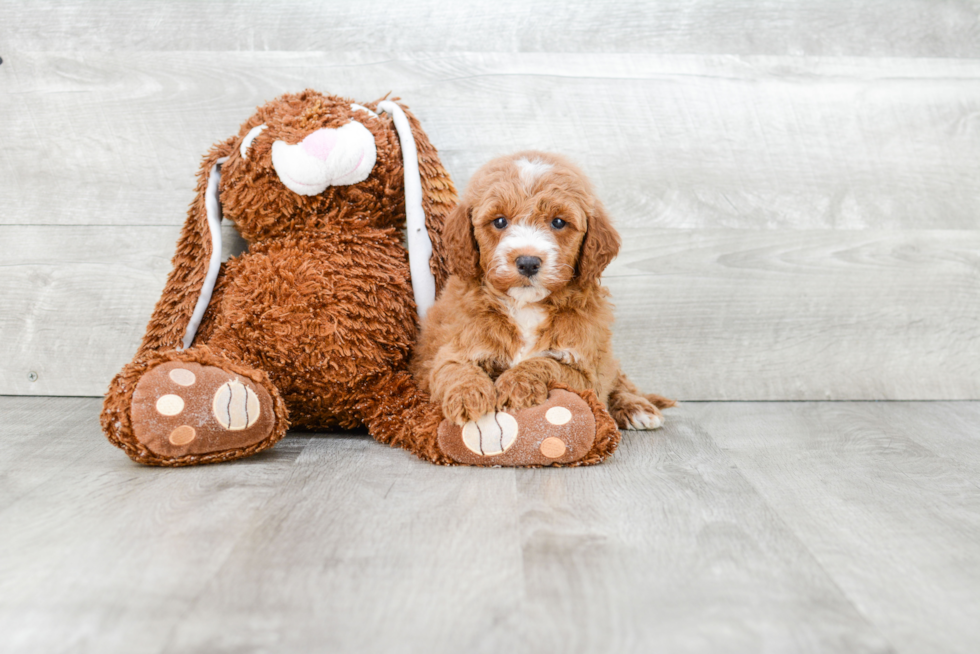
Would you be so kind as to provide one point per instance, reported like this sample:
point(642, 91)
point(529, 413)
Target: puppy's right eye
point(500, 222)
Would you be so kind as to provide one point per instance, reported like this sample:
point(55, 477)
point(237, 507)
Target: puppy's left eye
point(557, 223)
point(500, 222)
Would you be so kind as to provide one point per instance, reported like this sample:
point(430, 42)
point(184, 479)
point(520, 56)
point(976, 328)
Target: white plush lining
point(419, 245)
point(213, 207)
point(247, 141)
point(357, 107)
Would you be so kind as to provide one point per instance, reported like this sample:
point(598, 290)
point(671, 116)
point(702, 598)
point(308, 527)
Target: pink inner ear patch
point(320, 143)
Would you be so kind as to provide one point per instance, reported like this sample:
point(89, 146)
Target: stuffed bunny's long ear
point(419, 242)
point(438, 191)
point(196, 263)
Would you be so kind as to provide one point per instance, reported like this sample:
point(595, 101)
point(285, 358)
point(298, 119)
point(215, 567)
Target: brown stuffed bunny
point(313, 326)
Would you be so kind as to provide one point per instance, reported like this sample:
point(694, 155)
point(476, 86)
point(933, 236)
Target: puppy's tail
point(624, 385)
point(660, 401)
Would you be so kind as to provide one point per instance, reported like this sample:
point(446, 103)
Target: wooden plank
point(337, 543)
point(668, 548)
point(39, 441)
point(956, 442)
point(787, 315)
point(894, 523)
point(670, 140)
point(76, 302)
point(875, 28)
point(366, 541)
point(700, 314)
point(367, 549)
point(144, 540)
point(686, 555)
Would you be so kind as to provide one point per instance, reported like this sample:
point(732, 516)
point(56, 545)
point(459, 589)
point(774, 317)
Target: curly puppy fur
point(524, 307)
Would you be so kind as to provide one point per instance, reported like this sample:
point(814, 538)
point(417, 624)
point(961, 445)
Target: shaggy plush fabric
point(319, 311)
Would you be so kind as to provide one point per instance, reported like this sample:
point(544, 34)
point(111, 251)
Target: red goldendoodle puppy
point(526, 246)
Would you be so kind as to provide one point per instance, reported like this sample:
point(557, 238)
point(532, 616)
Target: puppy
point(524, 306)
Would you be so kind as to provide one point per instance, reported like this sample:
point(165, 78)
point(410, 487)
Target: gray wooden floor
point(741, 527)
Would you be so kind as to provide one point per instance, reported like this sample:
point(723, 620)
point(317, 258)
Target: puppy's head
point(528, 225)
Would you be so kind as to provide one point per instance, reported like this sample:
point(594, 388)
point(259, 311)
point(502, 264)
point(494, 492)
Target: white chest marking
point(527, 317)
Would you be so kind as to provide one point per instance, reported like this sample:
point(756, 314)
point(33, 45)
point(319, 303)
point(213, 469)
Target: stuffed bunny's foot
point(562, 430)
point(184, 408)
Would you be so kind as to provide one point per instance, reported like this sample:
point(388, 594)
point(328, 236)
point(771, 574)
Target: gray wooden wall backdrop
point(796, 182)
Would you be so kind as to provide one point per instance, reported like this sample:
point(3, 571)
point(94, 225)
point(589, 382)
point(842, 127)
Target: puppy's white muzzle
point(326, 157)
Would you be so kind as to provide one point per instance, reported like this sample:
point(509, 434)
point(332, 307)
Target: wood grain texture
point(803, 123)
point(945, 28)
point(669, 140)
point(700, 314)
point(337, 543)
point(160, 537)
point(76, 302)
point(632, 551)
point(792, 315)
point(890, 510)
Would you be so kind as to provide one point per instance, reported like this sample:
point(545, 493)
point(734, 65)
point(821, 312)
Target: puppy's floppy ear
point(599, 247)
point(462, 251)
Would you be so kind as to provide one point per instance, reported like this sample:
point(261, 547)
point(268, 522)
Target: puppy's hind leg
point(632, 409)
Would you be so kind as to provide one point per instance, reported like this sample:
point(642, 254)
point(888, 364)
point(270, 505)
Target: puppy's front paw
point(643, 421)
point(468, 401)
point(518, 390)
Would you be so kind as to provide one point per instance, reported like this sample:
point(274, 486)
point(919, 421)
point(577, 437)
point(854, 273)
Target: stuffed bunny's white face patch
point(326, 157)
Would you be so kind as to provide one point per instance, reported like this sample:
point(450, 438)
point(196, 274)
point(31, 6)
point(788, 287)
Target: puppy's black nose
point(528, 266)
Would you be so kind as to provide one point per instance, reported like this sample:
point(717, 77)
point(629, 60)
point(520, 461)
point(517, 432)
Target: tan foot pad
point(561, 430)
point(186, 408)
